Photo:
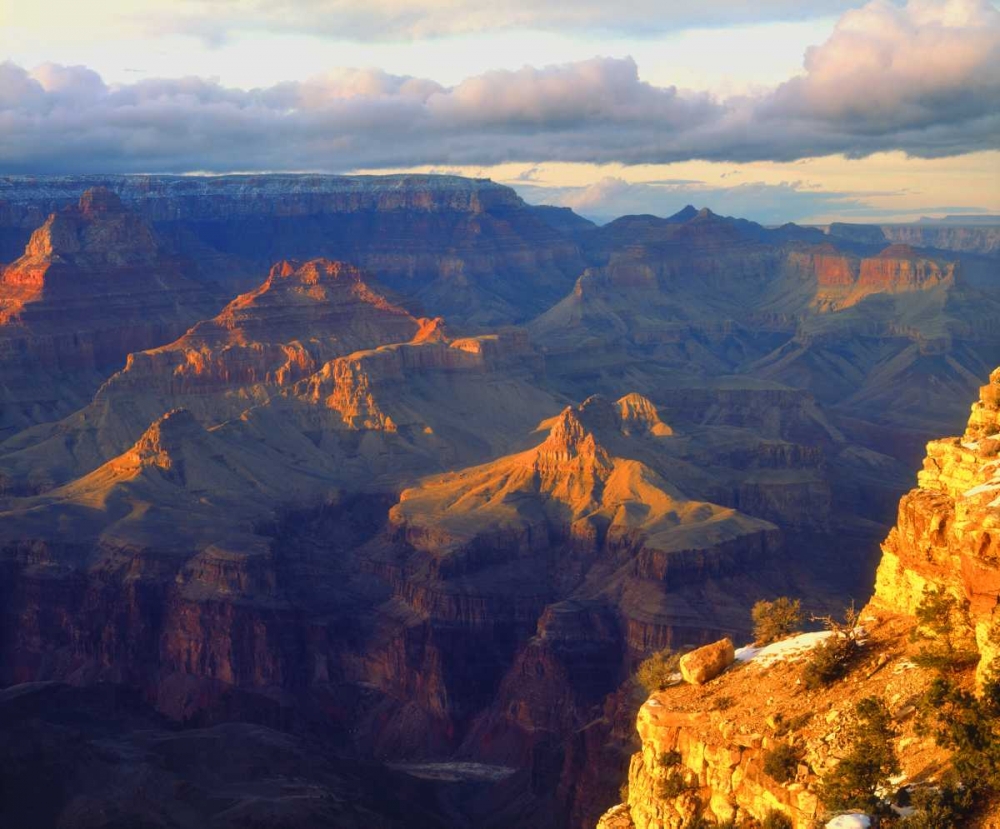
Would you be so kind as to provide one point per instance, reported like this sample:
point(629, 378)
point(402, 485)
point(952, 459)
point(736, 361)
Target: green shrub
point(868, 764)
point(654, 673)
point(775, 620)
point(946, 807)
point(970, 728)
point(944, 622)
point(799, 721)
point(672, 785)
point(782, 762)
point(670, 758)
point(723, 702)
point(776, 820)
point(830, 661)
point(783, 726)
point(832, 658)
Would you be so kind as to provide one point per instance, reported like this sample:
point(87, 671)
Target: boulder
point(704, 664)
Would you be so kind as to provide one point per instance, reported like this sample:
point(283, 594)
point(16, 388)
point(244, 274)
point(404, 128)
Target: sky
point(775, 110)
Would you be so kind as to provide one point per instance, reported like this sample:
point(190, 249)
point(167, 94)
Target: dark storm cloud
point(924, 78)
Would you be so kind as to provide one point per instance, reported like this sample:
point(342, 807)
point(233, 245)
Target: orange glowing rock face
point(947, 534)
point(301, 316)
point(95, 284)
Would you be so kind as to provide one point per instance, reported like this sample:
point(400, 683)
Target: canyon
point(399, 477)
point(943, 543)
point(94, 283)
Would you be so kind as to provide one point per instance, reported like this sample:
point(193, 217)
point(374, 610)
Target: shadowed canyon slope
point(888, 336)
point(94, 284)
point(444, 467)
point(314, 355)
point(456, 246)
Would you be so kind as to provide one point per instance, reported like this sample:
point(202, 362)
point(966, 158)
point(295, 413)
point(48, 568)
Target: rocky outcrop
point(573, 488)
point(843, 280)
point(723, 773)
point(94, 284)
point(707, 662)
point(302, 316)
point(700, 759)
point(460, 247)
point(705, 749)
point(947, 536)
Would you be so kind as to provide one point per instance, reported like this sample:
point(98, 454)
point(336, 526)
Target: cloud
point(769, 204)
point(612, 197)
point(923, 78)
point(382, 20)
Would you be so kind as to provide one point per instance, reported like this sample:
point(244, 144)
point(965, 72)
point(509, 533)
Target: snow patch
point(787, 650)
point(852, 821)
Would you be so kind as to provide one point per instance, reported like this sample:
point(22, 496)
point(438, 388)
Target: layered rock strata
point(461, 247)
point(947, 536)
point(94, 284)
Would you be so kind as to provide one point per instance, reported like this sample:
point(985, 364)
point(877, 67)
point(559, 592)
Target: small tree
point(782, 762)
point(869, 762)
point(938, 807)
point(776, 820)
point(775, 620)
point(832, 658)
point(673, 784)
point(670, 758)
point(655, 672)
point(970, 727)
point(944, 621)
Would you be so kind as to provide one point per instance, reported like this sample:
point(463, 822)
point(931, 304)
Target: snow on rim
point(852, 821)
point(787, 650)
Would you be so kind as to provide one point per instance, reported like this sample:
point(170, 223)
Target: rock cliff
point(315, 363)
point(947, 536)
point(704, 751)
point(94, 284)
point(459, 247)
point(859, 326)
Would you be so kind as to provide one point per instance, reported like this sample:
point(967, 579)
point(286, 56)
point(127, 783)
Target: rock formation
point(702, 757)
point(94, 284)
point(886, 336)
point(574, 488)
point(458, 247)
point(328, 510)
point(302, 316)
point(947, 536)
point(315, 362)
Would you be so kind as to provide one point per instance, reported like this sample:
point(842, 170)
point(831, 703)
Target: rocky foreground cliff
point(762, 740)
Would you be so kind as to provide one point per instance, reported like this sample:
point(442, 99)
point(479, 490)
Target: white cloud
point(611, 197)
point(379, 20)
point(923, 78)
